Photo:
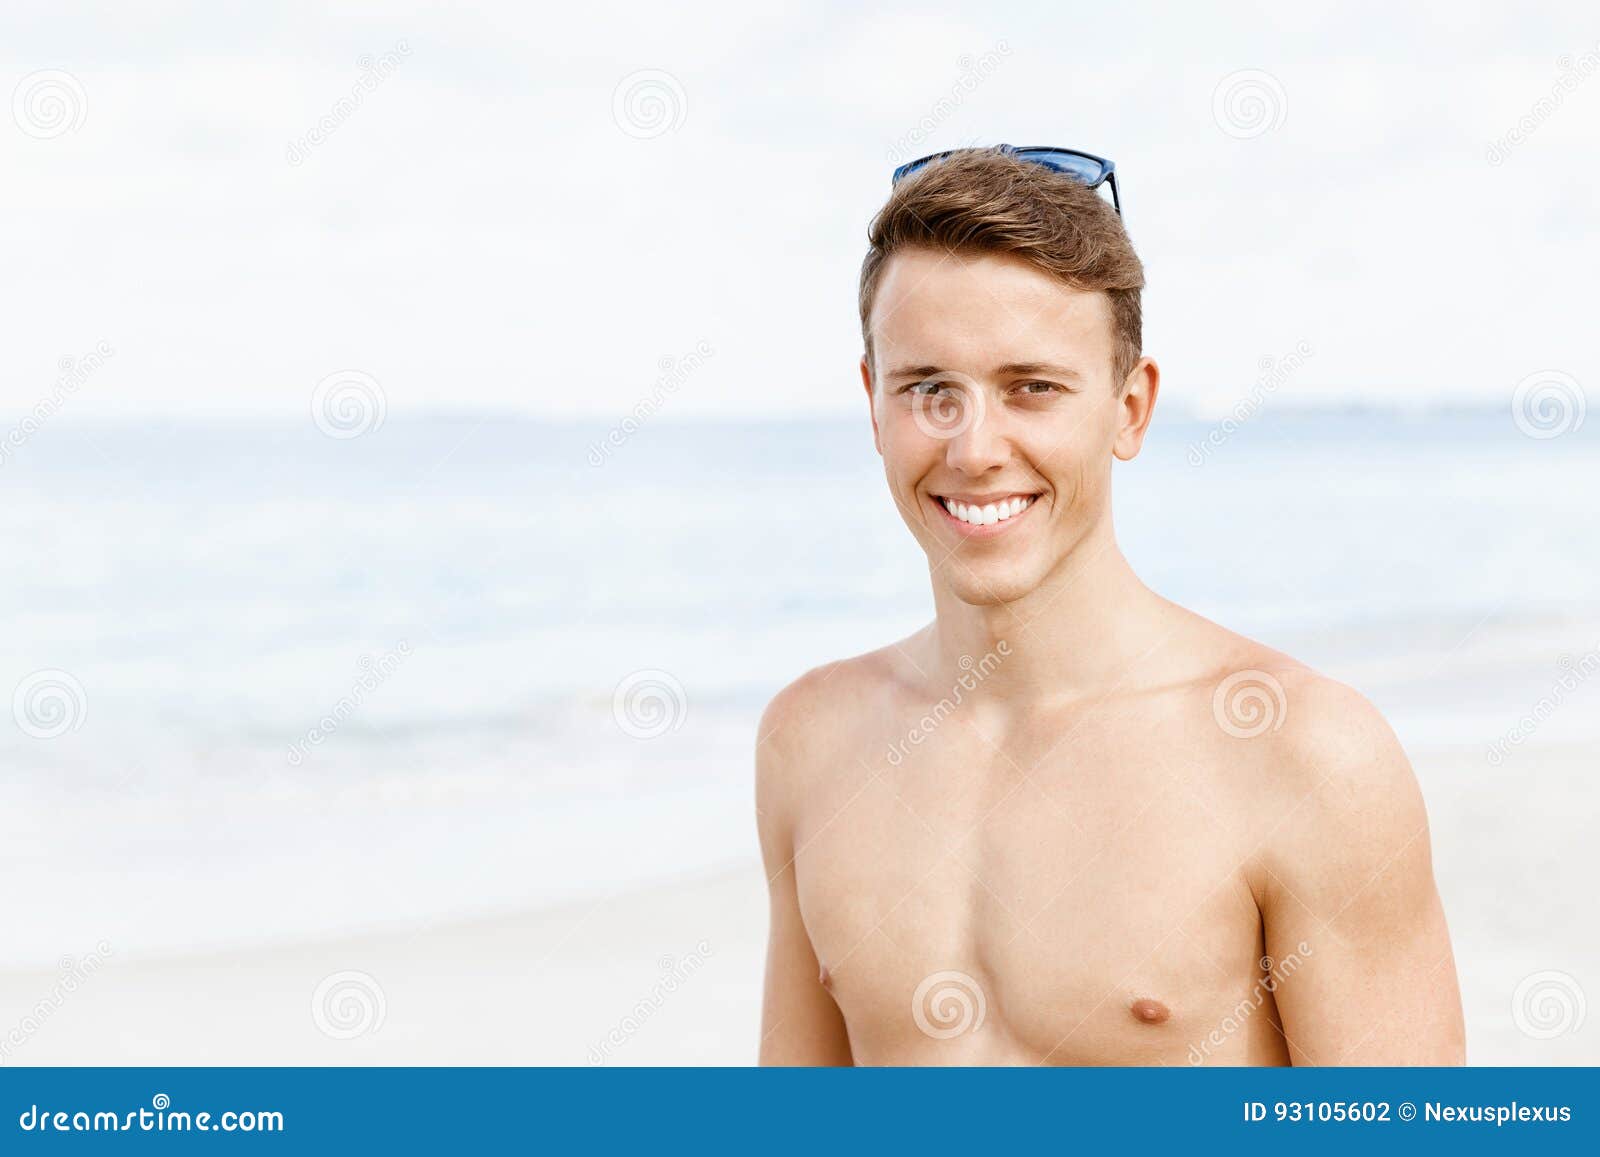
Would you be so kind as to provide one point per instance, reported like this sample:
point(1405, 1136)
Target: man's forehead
point(996, 303)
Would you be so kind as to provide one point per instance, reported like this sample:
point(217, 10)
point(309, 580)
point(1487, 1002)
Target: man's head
point(1001, 317)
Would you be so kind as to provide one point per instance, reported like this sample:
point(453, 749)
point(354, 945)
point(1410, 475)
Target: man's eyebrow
point(914, 372)
point(1050, 368)
point(1009, 369)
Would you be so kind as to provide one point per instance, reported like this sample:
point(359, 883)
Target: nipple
point(1149, 1011)
point(824, 979)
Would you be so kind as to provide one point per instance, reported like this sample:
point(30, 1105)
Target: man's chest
point(1073, 913)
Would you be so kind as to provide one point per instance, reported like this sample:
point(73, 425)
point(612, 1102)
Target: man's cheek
point(902, 455)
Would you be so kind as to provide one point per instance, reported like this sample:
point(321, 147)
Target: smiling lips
point(987, 512)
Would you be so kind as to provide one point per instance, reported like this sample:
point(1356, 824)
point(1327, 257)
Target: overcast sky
point(536, 207)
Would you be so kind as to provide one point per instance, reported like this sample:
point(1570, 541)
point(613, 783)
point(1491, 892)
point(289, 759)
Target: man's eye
point(926, 389)
point(1039, 388)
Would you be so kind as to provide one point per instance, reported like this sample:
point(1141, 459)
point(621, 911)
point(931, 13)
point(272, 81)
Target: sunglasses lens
point(907, 169)
point(1080, 168)
point(1085, 169)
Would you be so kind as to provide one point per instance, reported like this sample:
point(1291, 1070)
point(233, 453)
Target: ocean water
point(269, 684)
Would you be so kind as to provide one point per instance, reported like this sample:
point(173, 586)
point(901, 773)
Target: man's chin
point(980, 587)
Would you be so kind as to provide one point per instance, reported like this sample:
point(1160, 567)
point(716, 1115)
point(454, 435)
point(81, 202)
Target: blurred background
point(428, 436)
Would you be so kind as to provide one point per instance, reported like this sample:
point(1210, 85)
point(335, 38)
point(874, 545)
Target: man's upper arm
point(800, 1023)
point(1361, 969)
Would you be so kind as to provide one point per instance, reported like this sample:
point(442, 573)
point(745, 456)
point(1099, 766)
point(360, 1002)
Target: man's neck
point(1076, 635)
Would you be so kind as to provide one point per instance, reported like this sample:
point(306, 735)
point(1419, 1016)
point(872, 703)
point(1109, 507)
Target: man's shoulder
point(1304, 718)
point(1315, 728)
point(820, 703)
point(1272, 713)
point(1328, 798)
point(1314, 750)
point(806, 731)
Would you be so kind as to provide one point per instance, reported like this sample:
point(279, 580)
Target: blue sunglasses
point(1087, 168)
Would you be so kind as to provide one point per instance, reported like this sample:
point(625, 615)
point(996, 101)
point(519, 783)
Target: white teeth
point(987, 515)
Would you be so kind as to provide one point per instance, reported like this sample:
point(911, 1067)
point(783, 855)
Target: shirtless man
point(1070, 822)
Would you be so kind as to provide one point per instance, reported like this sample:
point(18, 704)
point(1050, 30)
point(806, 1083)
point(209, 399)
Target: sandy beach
point(674, 972)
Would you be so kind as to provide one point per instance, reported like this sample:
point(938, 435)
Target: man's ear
point(1136, 407)
point(872, 410)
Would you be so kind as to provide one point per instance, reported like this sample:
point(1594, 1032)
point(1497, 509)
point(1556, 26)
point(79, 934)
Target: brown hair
point(985, 201)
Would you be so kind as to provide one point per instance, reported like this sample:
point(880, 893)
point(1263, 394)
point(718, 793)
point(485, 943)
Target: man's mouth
point(978, 511)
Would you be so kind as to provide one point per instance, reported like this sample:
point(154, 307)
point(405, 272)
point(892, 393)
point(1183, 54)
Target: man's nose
point(980, 444)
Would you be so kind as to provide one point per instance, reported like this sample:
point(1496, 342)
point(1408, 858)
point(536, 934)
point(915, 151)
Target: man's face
point(996, 412)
